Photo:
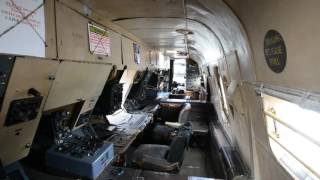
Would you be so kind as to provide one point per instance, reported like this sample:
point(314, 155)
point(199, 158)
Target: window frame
point(223, 96)
point(270, 114)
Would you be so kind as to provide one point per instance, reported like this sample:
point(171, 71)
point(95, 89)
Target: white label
point(99, 40)
point(27, 38)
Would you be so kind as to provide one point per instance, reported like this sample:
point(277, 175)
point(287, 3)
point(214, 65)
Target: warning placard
point(22, 29)
point(99, 40)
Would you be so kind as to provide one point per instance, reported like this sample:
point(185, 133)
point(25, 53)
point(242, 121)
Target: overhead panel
point(26, 93)
point(115, 9)
point(157, 32)
point(115, 57)
point(72, 35)
point(162, 33)
point(76, 82)
point(73, 38)
point(50, 35)
point(127, 53)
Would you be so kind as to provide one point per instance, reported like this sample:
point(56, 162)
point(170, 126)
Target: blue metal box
point(88, 166)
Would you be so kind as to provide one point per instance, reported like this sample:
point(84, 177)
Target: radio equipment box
point(89, 166)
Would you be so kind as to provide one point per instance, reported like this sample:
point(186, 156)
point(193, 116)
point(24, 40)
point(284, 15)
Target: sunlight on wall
point(127, 80)
point(163, 61)
point(294, 137)
point(179, 73)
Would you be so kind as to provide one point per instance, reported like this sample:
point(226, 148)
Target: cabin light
point(184, 31)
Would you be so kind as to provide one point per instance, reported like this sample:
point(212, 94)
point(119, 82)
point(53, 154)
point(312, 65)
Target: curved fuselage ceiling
point(216, 30)
point(227, 39)
point(222, 31)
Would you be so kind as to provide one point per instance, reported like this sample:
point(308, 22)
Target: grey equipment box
point(88, 166)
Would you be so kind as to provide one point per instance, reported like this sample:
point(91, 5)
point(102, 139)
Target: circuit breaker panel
point(23, 99)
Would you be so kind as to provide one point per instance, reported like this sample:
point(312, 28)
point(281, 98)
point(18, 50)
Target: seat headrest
point(186, 106)
point(170, 105)
point(184, 113)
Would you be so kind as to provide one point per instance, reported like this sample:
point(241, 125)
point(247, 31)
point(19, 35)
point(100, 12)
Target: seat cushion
point(161, 134)
point(153, 157)
point(152, 150)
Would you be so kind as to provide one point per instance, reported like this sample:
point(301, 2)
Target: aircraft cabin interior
point(159, 90)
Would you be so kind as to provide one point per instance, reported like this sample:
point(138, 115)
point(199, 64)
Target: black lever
point(34, 92)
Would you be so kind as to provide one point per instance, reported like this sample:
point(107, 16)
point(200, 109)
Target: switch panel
point(23, 110)
point(6, 64)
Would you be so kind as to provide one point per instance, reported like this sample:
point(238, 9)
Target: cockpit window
point(294, 137)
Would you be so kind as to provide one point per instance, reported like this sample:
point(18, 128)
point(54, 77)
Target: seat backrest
point(170, 111)
point(176, 152)
point(184, 113)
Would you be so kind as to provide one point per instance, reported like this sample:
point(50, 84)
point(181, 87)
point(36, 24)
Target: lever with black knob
point(34, 92)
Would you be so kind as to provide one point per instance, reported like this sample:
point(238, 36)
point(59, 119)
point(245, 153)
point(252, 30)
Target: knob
point(51, 77)
point(34, 92)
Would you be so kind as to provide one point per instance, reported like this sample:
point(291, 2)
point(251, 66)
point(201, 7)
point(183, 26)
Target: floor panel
point(196, 163)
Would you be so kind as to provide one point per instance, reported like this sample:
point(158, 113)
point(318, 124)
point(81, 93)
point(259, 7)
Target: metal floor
point(196, 163)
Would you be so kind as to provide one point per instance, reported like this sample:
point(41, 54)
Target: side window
point(294, 136)
point(222, 87)
point(222, 84)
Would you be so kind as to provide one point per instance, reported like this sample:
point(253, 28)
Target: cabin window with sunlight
point(179, 73)
point(163, 61)
point(223, 95)
point(294, 137)
point(222, 87)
